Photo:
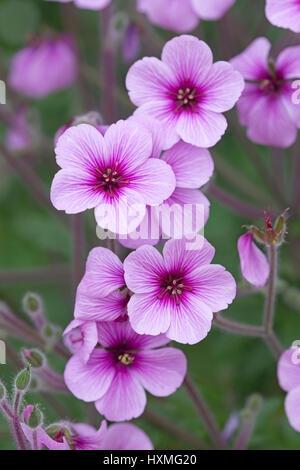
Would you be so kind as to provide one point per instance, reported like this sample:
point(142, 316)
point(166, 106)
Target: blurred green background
point(226, 368)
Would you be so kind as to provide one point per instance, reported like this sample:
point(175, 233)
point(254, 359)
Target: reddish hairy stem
point(107, 66)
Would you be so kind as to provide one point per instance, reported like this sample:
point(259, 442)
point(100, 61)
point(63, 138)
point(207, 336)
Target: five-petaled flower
point(185, 91)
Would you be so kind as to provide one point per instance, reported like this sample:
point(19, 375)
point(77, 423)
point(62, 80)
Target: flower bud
point(32, 303)
point(23, 379)
point(35, 358)
point(35, 419)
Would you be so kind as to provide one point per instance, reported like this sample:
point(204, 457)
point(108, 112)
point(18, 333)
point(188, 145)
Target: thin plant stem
point(241, 207)
point(108, 65)
point(238, 328)
point(204, 413)
point(271, 289)
point(16, 424)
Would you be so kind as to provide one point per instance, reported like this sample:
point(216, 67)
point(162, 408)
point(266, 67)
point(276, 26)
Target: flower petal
point(254, 264)
point(212, 9)
point(178, 256)
point(160, 371)
point(125, 399)
point(126, 436)
point(292, 408)
point(252, 63)
point(289, 369)
point(142, 267)
point(148, 314)
point(192, 166)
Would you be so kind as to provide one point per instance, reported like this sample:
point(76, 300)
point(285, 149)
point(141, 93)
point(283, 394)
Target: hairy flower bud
point(23, 379)
point(35, 418)
point(35, 358)
point(32, 303)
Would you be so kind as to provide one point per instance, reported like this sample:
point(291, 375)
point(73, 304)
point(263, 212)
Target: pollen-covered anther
point(126, 359)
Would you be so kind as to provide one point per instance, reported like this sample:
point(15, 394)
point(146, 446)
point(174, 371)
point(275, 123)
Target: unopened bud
point(35, 358)
point(23, 379)
point(32, 303)
point(35, 419)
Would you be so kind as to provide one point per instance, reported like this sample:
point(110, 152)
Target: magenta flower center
point(172, 286)
point(109, 180)
point(186, 98)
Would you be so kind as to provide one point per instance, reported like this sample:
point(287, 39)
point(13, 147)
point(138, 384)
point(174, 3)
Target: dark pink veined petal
point(125, 399)
point(213, 285)
point(81, 147)
point(148, 80)
point(188, 57)
point(252, 63)
point(154, 180)
point(183, 214)
point(292, 408)
point(278, 130)
point(190, 321)
point(126, 436)
point(123, 213)
point(288, 62)
point(43, 439)
point(204, 128)
point(254, 264)
point(192, 166)
point(160, 371)
point(107, 308)
point(90, 381)
point(129, 144)
point(222, 87)
point(72, 191)
point(177, 255)
point(142, 268)
point(148, 314)
point(104, 273)
point(288, 369)
point(212, 9)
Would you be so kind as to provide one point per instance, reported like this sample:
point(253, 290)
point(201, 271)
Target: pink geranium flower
point(289, 380)
point(284, 13)
point(66, 435)
point(172, 14)
point(268, 92)
point(193, 167)
point(47, 65)
point(118, 372)
point(178, 292)
point(185, 91)
point(112, 174)
point(254, 264)
point(88, 4)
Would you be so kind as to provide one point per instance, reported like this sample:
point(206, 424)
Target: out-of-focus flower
point(187, 209)
point(185, 91)
point(284, 13)
point(92, 117)
point(116, 375)
point(176, 294)
point(254, 264)
point(87, 4)
point(289, 379)
point(112, 174)
point(45, 66)
point(66, 435)
point(179, 17)
point(19, 135)
point(131, 43)
point(266, 107)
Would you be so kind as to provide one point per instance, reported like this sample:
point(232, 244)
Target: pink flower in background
point(92, 117)
point(46, 66)
point(66, 435)
point(185, 91)
point(193, 167)
point(117, 374)
point(284, 13)
point(179, 17)
point(254, 264)
point(289, 379)
point(266, 107)
point(131, 43)
point(88, 4)
point(112, 174)
point(178, 292)
point(19, 135)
